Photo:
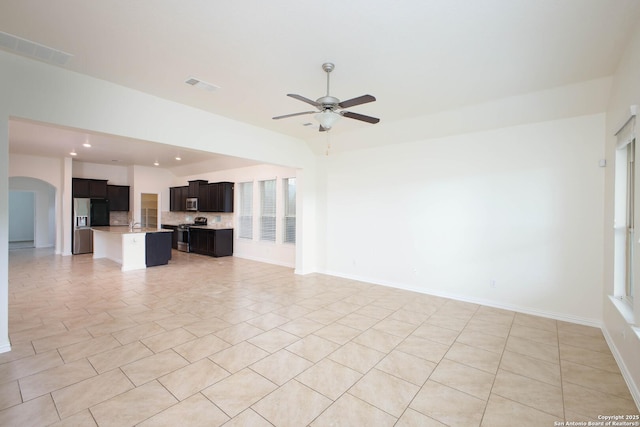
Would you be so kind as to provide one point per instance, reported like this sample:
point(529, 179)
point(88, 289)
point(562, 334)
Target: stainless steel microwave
point(192, 204)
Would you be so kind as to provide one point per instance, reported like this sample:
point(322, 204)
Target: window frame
point(245, 221)
point(289, 210)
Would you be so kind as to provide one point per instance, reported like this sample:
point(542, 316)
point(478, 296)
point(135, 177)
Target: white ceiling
point(52, 141)
point(418, 57)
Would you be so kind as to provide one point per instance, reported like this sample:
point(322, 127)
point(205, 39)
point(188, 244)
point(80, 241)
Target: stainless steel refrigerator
point(82, 233)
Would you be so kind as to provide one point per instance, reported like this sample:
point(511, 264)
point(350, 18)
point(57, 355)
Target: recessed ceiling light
point(178, 158)
point(73, 153)
point(86, 144)
point(156, 164)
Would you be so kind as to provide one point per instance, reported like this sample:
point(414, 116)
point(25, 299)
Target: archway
point(44, 208)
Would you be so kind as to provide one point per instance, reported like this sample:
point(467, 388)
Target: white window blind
point(246, 210)
point(289, 219)
point(268, 210)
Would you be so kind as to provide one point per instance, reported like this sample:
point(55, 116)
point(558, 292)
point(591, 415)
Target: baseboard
point(265, 260)
point(597, 323)
point(633, 388)
point(4, 348)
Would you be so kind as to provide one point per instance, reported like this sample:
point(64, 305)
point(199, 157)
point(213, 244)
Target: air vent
point(201, 84)
point(34, 50)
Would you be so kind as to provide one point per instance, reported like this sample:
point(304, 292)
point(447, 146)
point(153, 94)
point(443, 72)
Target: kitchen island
point(135, 248)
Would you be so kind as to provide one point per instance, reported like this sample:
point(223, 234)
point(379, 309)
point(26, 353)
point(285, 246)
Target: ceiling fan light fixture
point(327, 118)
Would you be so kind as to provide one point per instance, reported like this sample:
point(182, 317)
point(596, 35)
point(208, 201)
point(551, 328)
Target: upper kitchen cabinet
point(204, 201)
point(118, 196)
point(216, 197)
point(178, 198)
point(89, 188)
point(194, 187)
point(225, 197)
point(213, 197)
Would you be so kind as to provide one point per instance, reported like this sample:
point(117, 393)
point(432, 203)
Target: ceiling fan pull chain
point(328, 142)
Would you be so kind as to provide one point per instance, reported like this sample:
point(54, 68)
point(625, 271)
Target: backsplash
point(225, 219)
point(118, 218)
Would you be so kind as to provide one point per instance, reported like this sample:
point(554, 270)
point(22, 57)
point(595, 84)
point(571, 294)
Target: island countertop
point(211, 226)
point(123, 229)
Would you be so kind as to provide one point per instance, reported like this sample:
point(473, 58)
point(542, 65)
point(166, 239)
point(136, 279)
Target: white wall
point(22, 207)
point(117, 175)
point(621, 321)
point(520, 206)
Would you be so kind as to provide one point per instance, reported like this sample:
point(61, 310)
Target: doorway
point(149, 210)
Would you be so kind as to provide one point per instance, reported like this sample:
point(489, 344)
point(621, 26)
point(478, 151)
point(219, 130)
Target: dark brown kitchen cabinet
point(194, 187)
point(89, 188)
point(178, 198)
point(80, 187)
point(198, 241)
point(216, 243)
point(118, 196)
point(216, 197)
point(212, 197)
point(173, 199)
point(225, 197)
point(220, 242)
point(204, 201)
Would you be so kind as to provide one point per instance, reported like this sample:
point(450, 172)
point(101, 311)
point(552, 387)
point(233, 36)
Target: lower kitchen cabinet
point(216, 243)
point(157, 249)
point(198, 241)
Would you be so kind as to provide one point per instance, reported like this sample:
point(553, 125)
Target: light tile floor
point(208, 342)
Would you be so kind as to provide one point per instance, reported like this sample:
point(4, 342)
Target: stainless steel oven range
point(183, 232)
point(183, 237)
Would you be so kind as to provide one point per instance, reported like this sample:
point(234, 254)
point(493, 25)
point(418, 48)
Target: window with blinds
point(631, 179)
point(268, 210)
point(246, 210)
point(289, 218)
point(626, 278)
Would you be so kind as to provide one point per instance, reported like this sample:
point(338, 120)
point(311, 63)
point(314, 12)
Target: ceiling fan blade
point(361, 117)
point(357, 101)
point(293, 115)
point(303, 99)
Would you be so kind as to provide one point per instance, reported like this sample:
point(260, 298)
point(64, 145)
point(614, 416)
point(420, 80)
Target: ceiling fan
point(330, 109)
